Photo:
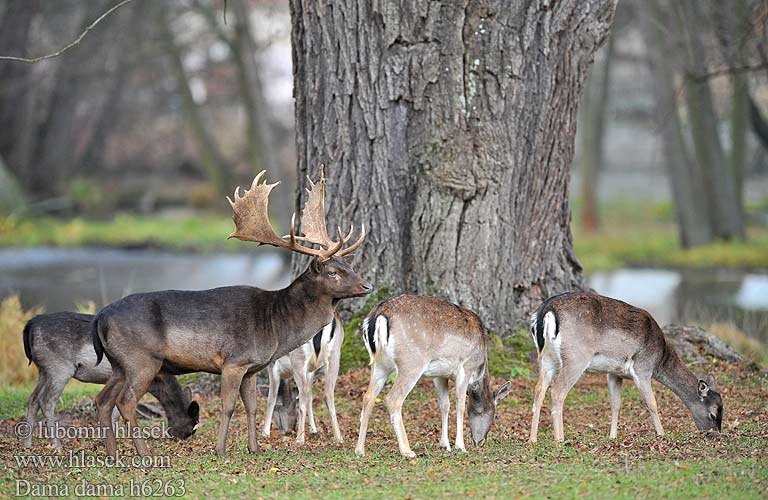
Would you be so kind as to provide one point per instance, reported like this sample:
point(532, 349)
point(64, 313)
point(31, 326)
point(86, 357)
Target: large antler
point(251, 215)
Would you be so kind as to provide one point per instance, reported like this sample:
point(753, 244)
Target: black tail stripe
point(370, 329)
point(27, 336)
point(317, 342)
point(97, 345)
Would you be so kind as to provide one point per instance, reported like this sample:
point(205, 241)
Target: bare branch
point(75, 42)
point(728, 70)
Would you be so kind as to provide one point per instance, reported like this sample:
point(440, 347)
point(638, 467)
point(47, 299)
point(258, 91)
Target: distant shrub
point(86, 194)
point(13, 362)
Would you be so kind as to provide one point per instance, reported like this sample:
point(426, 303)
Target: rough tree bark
point(447, 127)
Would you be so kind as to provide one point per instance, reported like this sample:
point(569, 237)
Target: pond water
point(696, 295)
point(59, 278)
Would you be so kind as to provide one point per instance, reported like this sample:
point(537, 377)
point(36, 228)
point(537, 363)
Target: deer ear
point(502, 392)
point(703, 389)
point(711, 382)
point(188, 393)
point(316, 266)
point(194, 411)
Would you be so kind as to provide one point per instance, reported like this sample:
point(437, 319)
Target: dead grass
point(13, 362)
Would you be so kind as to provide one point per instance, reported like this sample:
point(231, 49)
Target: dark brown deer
point(235, 331)
point(576, 332)
point(61, 346)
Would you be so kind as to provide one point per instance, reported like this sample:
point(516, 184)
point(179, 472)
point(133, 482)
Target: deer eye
point(331, 274)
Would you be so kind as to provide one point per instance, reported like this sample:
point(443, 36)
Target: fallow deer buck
point(417, 336)
point(61, 347)
point(235, 331)
point(576, 332)
point(320, 355)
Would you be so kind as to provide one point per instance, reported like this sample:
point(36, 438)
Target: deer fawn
point(322, 353)
point(426, 336)
point(60, 345)
point(236, 331)
point(575, 332)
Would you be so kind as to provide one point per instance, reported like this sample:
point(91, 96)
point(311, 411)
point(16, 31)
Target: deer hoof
point(409, 454)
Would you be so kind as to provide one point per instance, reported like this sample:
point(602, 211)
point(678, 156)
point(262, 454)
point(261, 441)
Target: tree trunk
point(693, 219)
point(259, 137)
point(210, 158)
point(594, 103)
point(448, 129)
point(719, 182)
point(15, 27)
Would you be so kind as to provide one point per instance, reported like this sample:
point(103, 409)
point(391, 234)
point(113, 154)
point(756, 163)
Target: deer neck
point(299, 312)
point(479, 391)
point(673, 373)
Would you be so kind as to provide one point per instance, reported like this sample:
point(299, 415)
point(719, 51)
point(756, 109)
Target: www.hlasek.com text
point(81, 460)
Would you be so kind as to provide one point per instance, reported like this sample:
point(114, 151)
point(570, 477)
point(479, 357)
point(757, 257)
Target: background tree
point(448, 128)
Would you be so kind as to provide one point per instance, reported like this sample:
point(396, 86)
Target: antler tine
point(354, 245)
point(313, 214)
point(250, 212)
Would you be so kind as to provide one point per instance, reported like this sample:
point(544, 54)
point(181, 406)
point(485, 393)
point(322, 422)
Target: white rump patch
point(550, 328)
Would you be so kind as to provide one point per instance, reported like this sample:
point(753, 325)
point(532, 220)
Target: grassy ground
point(631, 233)
point(682, 464)
point(645, 234)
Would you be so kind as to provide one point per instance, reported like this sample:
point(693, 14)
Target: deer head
point(707, 410)
point(481, 407)
point(331, 273)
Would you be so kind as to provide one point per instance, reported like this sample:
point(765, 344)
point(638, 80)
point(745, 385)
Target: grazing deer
point(575, 332)
point(61, 347)
point(235, 331)
point(418, 337)
point(322, 353)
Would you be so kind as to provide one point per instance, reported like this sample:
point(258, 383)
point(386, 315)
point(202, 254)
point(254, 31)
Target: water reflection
point(59, 278)
point(703, 296)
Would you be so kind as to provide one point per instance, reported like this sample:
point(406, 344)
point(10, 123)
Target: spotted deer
point(236, 330)
point(60, 345)
point(320, 355)
point(578, 332)
point(417, 336)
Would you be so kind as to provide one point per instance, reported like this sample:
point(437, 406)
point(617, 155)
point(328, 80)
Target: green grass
point(500, 471)
point(13, 399)
point(645, 234)
point(203, 232)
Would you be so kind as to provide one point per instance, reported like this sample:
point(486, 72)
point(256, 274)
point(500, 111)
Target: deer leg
point(138, 379)
point(614, 392)
point(547, 372)
point(646, 392)
point(274, 385)
point(331, 374)
point(462, 382)
point(310, 412)
point(52, 392)
point(443, 398)
point(302, 384)
point(33, 406)
point(105, 403)
point(378, 379)
point(394, 400)
point(567, 378)
point(231, 378)
point(249, 395)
